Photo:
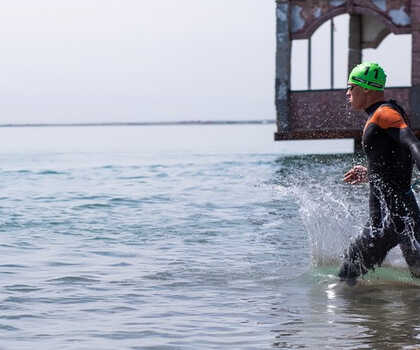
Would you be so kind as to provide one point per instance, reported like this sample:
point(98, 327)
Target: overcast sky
point(139, 60)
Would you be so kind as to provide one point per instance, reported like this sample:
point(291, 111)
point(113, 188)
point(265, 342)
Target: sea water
point(185, 237)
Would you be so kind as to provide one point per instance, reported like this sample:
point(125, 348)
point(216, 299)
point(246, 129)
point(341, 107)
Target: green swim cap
point(368, 75)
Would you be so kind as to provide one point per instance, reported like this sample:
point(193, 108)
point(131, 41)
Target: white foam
point(331, 222)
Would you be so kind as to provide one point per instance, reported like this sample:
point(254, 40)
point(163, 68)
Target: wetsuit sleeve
point(407, 138)
point(392, 121)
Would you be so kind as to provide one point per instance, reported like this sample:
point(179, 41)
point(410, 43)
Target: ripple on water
point(9, 328)
point(19, 316)
point(73, 280)
point(13, 266)
point(52, 172)
point(121, 264)
point(115, 254)
point(92, 206)
point(121, 201)
point(22, 288)
point(61, 264)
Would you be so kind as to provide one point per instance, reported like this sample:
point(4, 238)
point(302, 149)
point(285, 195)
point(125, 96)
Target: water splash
point(331, 211)
point(329, 222)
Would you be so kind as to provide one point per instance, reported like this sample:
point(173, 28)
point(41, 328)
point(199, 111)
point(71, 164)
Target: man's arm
point(356, 175)
point(407, 138)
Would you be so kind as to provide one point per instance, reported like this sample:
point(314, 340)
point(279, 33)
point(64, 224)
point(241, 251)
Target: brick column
point(282, 84)
point(355, 41)
point(415, 65)
point(355, 57)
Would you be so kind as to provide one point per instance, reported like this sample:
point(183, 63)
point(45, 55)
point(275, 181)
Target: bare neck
point(373, 97)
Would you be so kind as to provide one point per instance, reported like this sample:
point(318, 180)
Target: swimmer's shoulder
point(387, 117)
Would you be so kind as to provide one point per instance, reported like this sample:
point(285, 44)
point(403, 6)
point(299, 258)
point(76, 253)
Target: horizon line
point(162, 123)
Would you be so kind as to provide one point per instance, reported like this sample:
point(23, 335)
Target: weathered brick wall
point(329, 110)
point(322, 110)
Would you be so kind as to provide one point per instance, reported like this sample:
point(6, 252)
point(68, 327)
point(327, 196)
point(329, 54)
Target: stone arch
point(379, 38)
point(311, 27)
point(314, 25)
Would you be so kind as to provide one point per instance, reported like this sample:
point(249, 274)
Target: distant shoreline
point(192, 122)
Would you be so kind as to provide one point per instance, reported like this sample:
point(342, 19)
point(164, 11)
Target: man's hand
point(356, 175)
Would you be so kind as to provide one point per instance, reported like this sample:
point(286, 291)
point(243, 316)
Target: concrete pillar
point(282, 85)
point(355, 41)
point(415, 65)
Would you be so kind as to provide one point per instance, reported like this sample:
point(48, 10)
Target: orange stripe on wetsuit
point(386, 117)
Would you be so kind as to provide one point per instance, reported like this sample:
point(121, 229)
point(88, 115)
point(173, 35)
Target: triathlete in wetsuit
point(390, 147)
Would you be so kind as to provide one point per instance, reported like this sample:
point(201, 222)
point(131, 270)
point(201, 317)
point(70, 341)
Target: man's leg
point(409, 245)
point(366, 251)
point(410, 236)
point(411, 251)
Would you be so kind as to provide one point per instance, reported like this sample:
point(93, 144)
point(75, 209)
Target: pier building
point(318, 114)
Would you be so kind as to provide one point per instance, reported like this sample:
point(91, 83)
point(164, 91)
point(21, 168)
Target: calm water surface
point(186, 237)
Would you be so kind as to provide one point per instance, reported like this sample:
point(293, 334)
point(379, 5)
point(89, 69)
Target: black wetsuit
point(394, 216)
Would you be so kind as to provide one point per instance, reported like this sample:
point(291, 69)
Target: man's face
point(356, 96)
